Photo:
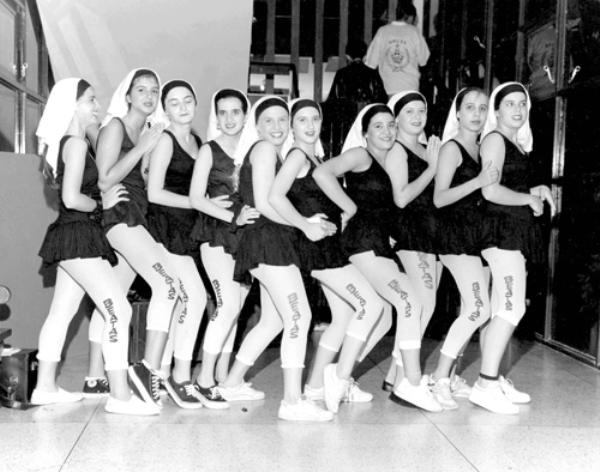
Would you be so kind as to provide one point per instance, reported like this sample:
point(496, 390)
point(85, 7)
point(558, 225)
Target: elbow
point(401, 202)
point(103, 185)
point(153, 196)
point(437, 202)
point(488, 193)
point(70, 202)
point(262, 207)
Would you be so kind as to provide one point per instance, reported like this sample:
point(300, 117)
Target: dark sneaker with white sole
point(95, 387)
point(184, 394)
point(211, 397)
point(145, 382)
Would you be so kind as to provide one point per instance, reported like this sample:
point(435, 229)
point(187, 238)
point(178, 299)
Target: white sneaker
point(493, 399)
point(460, 387)
point(241, 392)
point(133, 406)
point(334, 387)
point(514, 395)
point(418, 395)
point(354, 394)
point(441, 392)
point(40, 397)
point(314, 394)
point(303, 410)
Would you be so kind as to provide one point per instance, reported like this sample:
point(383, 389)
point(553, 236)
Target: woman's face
point(307, 125)
point(512, 111)
point(143, 95)
point(180, 105)
point(381, 132)
point(87, 108)
point(273, 125)
point(473, 110)
point(412, 118)
point(230, 116)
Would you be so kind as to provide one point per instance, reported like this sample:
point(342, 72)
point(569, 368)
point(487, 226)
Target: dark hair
point(405, 9)
point(406, 99)
point(170, 85)
point(371, 112)
point(303, 103)
point(82, 86)
point(508, 89)
point(356, 48)
point(141, 73)
point(268, 103)
point(226, 93)
point(463, 93)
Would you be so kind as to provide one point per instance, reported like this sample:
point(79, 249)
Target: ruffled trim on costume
point(75, 239)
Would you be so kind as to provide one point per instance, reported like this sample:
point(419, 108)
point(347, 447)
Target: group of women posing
point(256, 201)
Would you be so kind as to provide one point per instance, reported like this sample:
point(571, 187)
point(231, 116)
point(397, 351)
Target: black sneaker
point(211, 398)
point(145, 382)
point(95, 387)
point(184, 394)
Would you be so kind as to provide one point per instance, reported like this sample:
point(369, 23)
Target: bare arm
point(73, 155)
point(396, 165)
point(199, 185)
point(291, 169)
point(326, 177)
point(263, 158)
point(493, 150)
point(449, 161)
point(111, 169)
point(160, 159)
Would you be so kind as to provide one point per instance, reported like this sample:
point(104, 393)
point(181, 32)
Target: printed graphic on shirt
point(397, 55)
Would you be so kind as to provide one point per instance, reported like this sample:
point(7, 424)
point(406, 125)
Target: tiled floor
point(559, 431)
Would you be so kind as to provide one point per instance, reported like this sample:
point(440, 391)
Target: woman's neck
point(135, 119)
point(308, 148)
point(76, 128)
point(183, 132)
point(509, 132)
point(411, 140)
point(467, 137)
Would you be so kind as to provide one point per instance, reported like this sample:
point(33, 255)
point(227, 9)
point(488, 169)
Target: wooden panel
point(368, 23)
point(270, 49)
point(343, 36)
point(392, 9)
point(489, 29)
point(318, 75)
point(295, 39)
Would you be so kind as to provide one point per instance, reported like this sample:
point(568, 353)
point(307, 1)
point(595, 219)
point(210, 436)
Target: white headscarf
point(250, 134)
point(212, 131)
point(524, 136)
point(396, 98)
point(289, 142)
point(58, 114)
point(119, 106)
point(356, 136)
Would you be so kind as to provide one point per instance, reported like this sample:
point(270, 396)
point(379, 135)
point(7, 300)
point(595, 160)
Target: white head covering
point(119, 106)
point(249, 134)
point(57, 117)
point(356, 136)
point(524, 136)
point(397, 97)
point(213, 131)
point(289, 142)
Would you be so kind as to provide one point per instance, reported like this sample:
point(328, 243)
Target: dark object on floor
point(18, 375)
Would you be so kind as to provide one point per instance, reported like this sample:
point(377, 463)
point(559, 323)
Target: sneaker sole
point(480, 405)
point(178, 401)
point(213, 405)
point(140, 389)
point(95, 395)
point(414, 405)
point(124, 413)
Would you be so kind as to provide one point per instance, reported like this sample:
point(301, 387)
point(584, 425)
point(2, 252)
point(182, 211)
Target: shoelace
point(155, 384)
point(103, 382)
point(190, 390)
point(352, 384)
